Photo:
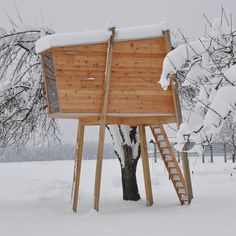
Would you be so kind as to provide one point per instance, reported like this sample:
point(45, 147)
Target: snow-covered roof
point(99, 36)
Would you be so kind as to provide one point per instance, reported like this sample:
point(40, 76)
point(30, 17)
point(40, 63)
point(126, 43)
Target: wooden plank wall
point(73, 65)
point(136, 69)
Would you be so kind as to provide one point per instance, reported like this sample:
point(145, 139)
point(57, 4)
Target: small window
point(51, 83)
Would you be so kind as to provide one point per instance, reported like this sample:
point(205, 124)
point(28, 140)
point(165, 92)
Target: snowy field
point(35, 200)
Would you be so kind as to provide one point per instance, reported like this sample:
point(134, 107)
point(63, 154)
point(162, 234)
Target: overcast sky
point(79, 15)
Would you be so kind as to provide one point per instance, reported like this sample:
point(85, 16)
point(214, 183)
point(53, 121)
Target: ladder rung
point(182, 191)
point(184, 198)
point(163, 144)
point(160, 137)
point(172, 167)
point(175, 177)
point(165, 151)
point(183, 194)
point(157, 131)
point(168, 158)
point(173, 171)
point(178, 184)
point(171, 164)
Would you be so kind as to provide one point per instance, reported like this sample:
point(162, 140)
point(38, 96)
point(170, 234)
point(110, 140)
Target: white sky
point(79, 15)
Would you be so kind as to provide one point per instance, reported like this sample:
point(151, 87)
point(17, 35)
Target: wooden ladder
point(172, 166)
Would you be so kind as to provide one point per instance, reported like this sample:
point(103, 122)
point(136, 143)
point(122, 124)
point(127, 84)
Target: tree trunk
point(203, 155)
point(127, 149)
point(211, 153)
point(128, 174)
point(225, 155)
point(233, 153)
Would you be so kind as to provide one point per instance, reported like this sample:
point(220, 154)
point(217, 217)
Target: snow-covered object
point(99, 36)
point(198, 54)
point(176, 58)
point(71, 39)
point(183, 130)
point(26, 35)
point(121, 136)
point(22, 88)
point(219, 29)
point(230, 74)
point(110, 23)
point(207, 75)
point(223, 104)
point(35, 201)
point(4, 85)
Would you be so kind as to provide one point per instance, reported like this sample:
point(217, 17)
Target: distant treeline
point(67, 152)
point(54, 152)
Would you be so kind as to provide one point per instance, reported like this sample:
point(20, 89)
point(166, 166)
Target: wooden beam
point(133, 121)
point(113, 120)
point(184, 154)
point(146, 169)
point(103, 121)
point(45, 81)
point(79, 152)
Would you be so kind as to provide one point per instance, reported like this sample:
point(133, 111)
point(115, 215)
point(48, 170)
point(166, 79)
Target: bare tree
point(23, 108)
point(227, 135)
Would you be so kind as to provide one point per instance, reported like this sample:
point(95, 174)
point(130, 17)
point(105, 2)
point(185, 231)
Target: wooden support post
point(79, 152)
point(103, 121)
point(184, 154)
point(166, 34)
point(146, 169)
point(178, 113)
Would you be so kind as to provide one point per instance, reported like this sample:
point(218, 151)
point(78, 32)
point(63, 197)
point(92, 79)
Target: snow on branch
point(206, 75)
point(124, 135)
point(23, 114)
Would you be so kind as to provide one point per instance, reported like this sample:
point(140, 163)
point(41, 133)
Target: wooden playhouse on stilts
point(111, 77)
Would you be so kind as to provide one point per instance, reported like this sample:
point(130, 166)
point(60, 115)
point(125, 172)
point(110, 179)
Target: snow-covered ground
point(35, 200)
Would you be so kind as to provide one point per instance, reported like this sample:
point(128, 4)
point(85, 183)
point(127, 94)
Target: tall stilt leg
point(99, 166)
point(79, 152)
point(103, 120)
point(146, 169)
point(187, 175)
